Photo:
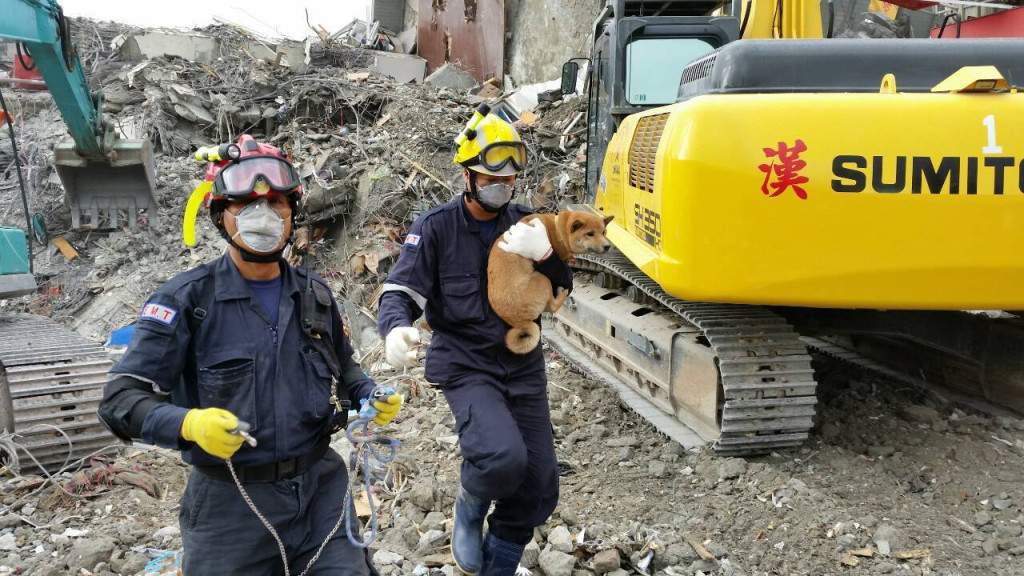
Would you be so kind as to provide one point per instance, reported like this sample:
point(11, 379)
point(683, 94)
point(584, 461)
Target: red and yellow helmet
point(248, 169)
point(240, 171)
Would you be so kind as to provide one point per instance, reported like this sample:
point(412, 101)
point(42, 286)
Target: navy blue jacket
point(442, 271)
point(273, 379)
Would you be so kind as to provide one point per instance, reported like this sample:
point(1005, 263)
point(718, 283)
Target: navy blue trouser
point(223, 537)
point(508, 451)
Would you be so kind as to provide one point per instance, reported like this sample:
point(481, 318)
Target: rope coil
point(367, 444)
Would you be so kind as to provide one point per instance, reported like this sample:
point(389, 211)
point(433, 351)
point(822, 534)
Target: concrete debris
point(531, 555)
point(731, 468)
point(374, 153)
point(606, 561)
point(401, 68)
point(555, 563)
point(657, 469)
point(559, 539)
point(631, 441)
point(884, 537)
point(190, 46)
point(881, 451)
point(452, 77)
point(921, 414)
point(385, 558)
point(430, 540)
point(361, 34)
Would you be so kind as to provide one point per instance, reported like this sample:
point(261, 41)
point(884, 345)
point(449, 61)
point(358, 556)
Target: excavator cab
point(638, 56)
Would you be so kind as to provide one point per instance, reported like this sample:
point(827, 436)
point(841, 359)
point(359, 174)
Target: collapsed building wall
point(543, 34)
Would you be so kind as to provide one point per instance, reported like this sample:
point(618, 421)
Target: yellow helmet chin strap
point(188, 228)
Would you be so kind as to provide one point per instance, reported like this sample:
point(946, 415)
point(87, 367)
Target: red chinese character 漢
point(786, 165)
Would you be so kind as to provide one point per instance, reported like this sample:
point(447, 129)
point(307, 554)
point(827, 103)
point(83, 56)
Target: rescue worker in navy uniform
point(247, 360)
point(499, 399)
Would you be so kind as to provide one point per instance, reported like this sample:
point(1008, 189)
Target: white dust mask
point(261, 228)
point(494, 197)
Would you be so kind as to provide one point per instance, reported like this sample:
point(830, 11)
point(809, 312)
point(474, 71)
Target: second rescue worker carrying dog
point(248, 338)
point(499, 399)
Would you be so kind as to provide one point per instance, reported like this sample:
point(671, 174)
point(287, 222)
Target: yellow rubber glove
point(388, 408)
point(210, 429)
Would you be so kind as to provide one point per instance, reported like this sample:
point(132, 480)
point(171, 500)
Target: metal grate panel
point(699, 69)
point(643, 149)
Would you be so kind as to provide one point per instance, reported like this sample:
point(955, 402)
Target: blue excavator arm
point(107, 180)
point(39, 24)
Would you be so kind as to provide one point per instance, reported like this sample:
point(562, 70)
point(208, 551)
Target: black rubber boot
point(501, 558)
point(468, 531)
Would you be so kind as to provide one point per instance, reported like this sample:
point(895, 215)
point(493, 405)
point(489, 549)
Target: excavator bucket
point(98, 189)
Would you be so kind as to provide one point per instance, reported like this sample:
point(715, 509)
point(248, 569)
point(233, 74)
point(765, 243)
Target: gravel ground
point(894, 481)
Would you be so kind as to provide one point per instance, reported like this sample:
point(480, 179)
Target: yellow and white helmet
point(490, 145)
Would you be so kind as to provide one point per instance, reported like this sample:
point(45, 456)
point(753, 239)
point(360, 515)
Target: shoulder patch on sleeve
point(158, 313)
point(412, 239)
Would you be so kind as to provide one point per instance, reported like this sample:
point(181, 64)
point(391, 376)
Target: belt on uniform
point(273, 472)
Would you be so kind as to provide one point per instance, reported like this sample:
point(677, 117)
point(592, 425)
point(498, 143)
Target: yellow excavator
point(775, 191)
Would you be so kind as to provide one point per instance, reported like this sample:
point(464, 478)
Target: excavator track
point(764, 388)
point(51, 382)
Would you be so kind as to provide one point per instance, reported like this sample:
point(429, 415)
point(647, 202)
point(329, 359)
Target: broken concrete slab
point(408, 40)
point(451, 76)
point(402, 68)
point(200, 48)
point(190, 46)
point(188, 104)
point(294, 55)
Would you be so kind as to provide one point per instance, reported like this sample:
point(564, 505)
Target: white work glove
point(398, 345)
point(527, 240)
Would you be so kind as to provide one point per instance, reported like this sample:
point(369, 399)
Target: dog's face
point(586, 233)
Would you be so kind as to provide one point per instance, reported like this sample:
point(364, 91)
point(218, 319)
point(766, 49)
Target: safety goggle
point(239, 178)
point(500, 154)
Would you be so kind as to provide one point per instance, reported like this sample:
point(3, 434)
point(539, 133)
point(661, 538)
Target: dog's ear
point(608, 219)
point(576, 225)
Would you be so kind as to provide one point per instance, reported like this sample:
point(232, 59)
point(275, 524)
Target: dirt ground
point(894, 481)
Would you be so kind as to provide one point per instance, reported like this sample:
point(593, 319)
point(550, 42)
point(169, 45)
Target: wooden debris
point(358, 76)
point(699, 548)
point(863, 552)
point(489, 91)
point(66, 248)
point(528, 118)
point(954, 521)
point(420, 167)
point(363, 506)
point(409, 181)
point(848, 559)
point(912, 554)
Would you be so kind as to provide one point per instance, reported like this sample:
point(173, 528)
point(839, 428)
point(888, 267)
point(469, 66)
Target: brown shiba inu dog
point(519, 294)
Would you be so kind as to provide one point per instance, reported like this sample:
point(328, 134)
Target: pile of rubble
point(373, 154)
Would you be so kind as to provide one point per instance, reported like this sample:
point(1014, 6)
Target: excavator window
point(654, 66)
